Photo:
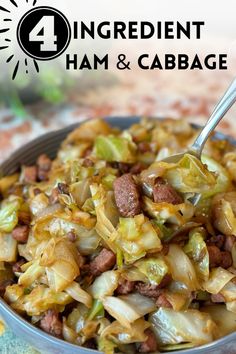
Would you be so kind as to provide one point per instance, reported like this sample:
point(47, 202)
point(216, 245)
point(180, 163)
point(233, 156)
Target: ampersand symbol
point(121, 65)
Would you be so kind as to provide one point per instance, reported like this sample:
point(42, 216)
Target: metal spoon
point(219, 112)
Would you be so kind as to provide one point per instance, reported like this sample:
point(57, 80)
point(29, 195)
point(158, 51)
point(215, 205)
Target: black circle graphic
point(44, 33)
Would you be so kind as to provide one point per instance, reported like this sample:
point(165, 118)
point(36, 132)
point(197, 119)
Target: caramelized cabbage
point(105, 284)
point(8, 248)
point(64, 264)
point(189, 326)
point(219, 277)
point(136, 237)
point(196, 249)
point(112, 149)
point(224, 319)
point(9, 215)
point(181, 267)
point(153, 268)
point(128, 308)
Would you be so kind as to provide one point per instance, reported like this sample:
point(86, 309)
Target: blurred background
point(36, 103)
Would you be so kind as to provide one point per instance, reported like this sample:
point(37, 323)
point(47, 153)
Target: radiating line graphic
point(14, 3)
point(36, 66)
point(3, 9)
point(15, 70)
point(4, 30)
point(10, 58)
point(4, 47)
point(26, 64)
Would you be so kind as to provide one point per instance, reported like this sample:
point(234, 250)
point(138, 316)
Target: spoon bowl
point(219, 112)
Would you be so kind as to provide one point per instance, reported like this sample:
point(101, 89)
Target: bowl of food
point(102, 250)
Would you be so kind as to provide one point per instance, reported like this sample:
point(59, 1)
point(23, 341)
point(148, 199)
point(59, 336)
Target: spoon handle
point(219, 112)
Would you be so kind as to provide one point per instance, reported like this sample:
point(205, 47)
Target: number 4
point(44, 32)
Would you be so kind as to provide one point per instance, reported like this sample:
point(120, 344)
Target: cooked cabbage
point(169, 213)
point(128, 308)
point(8, 249)
point(153, 268)
point(189, 326)
point(9, 215)
point(110, 278)
point(136, 237)
point(189, 175)
point(224, 209)
point(196, 249)
point(224, 319)
point(219, 277)
point(78, 294)
point(64, 266)
point(181, 267)
point(105, 284)
point(112, 148)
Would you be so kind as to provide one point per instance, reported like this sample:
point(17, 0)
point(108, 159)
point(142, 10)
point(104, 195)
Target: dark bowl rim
point(56, 341)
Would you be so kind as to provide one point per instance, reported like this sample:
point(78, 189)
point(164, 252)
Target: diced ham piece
point(217, 241)
point(165, 193)
point(30, 174)
point(229, 242)
point(16, 268)
point(150, 344)
point(21, 233)
point(103, 262)
point(44, 164)
point(226, 259)
point(125, 287)
point(51, 323)
point(163, 302)
point(214, 256)
point(217, 298)
point(127, 196)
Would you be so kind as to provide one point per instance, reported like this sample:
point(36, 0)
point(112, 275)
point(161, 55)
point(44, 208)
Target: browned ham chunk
point(44, 166)
point(24, 217)
point(151, 290)
point(217, 298)
point(103, 262)
point(229, 242)
point(163, 302)
point(150, 344)
point(16, 268)
point(37, 191)
point(3, 285)
point(30, 174)
point(226, 259)
point(53, 199)
point(21, 233)
point(137, 168)
point(125, 287)
point(63, 188)
point(127, 196)
point(214, 256)
point(51, 323)
point(88, 162)
point(165, 193)
point(148, 290)
point(71, 235)
point(144, 146)
point(217, 241)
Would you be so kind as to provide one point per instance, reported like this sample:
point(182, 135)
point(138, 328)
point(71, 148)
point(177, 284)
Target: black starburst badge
point(43, 33)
